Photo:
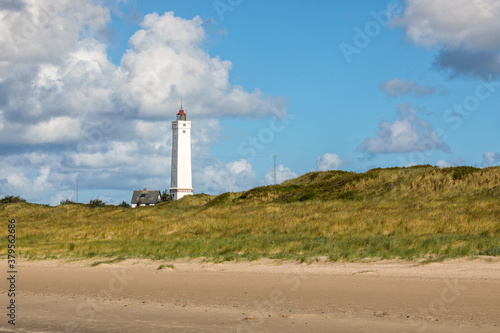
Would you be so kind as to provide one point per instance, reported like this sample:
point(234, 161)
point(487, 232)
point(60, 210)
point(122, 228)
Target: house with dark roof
point(145, 198)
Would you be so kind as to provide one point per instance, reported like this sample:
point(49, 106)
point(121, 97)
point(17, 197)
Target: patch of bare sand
point(385, 296)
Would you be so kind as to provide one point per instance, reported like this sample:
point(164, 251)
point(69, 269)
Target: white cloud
point(45, 177)
point(118, 153)
point(105, 124)
point(54, 103)
point(167, 63)
point(43, 31)
point(410, 165)
point(238, 167)
point(33, 183)
point(397, 87)
point(218, 177)
point(490, 158)
point(443, 164)
point(408, 133)
point(447, 164)
point(282, 173)
point(472, 24)
point(55, 130)
point(467, 31)
point(329, 162)
point(2, 121)
point(168, 30)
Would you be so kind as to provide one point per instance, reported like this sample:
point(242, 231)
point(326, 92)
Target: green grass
point(408, 213)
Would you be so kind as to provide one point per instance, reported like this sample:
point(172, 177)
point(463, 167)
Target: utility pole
point(77, 191)
point(274, 156)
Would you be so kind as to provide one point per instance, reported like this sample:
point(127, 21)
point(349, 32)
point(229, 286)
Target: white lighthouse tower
point(180, 180)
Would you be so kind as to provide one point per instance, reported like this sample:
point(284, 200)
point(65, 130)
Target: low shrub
point(11, 199)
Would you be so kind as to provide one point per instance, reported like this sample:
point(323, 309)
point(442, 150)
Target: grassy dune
point(408, 213)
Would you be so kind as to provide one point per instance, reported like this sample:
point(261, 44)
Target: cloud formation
point(479, 63)
point(408, 133)
point(490, 158)
point(221, 177)
point(460, 23)
point(11, 5)
point(282, 173)
point(329, 162)
point(72, 82)
point(444, 164)
point(460, 28)
point(166, 63)
point(44, 31)
point(397, 87)
point(63, 100)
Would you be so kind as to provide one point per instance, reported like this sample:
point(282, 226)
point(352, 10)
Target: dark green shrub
point(124, 204)
point(11, 199)
point(463, 171)
point(165, 196)
point(96, 203)
point(67, 202)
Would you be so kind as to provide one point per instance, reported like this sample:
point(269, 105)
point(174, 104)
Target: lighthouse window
point(184, 125)
point(184, 131)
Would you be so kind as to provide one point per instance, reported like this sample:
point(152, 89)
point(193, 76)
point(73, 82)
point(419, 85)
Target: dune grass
point(407, 213)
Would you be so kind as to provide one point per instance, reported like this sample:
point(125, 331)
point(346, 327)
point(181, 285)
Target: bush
point(67, 202)
point(96, 203)
point(124, 204)
point(165, 196)
point(463, 171)
point(11, 199)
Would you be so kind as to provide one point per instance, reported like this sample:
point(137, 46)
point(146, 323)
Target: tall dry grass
point(384, 213)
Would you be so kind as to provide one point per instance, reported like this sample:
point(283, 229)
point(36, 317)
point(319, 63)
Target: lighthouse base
point(178, 193)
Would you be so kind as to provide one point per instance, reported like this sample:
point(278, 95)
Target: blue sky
point(88, 90)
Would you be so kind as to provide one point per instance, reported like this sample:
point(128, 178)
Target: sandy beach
point(262, 296)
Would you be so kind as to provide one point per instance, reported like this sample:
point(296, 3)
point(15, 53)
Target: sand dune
point(263, 296)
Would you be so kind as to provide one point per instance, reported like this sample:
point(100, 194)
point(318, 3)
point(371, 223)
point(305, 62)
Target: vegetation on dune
point(96, 203)
point(124, 204)
point(408, 213)
point(67, 202)
point(11, 199)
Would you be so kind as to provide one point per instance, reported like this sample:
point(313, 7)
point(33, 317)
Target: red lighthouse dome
point(181, 115)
